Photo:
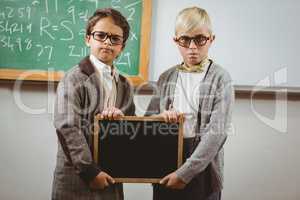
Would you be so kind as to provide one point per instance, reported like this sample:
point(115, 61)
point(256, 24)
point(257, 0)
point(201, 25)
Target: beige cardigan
point(213, 122)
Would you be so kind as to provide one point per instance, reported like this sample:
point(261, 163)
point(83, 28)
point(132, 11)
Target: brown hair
point(117, 17)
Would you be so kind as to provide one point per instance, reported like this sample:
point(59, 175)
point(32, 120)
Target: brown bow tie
point(195, 68)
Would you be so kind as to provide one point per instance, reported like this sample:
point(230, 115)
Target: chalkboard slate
point(48, 36)
point(137, 149)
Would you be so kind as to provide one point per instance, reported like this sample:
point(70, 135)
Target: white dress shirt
point(104, 71)
point(186, 98)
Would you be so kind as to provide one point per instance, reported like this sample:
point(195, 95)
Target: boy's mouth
point(106, 50)
point(192, 55)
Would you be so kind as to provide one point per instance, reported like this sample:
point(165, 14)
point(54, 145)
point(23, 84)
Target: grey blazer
point(213, 122)
point(80, 97)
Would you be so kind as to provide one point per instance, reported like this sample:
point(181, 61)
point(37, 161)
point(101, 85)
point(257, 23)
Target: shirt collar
point(102, 68)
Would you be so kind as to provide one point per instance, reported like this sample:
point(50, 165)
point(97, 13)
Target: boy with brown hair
point(91, 87)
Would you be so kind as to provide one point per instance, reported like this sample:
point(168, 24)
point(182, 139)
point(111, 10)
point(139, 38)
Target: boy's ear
point(175, 41)
point(213, 37)
point(123, 46)
point(87, 40)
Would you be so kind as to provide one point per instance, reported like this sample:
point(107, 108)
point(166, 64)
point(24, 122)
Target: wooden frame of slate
point(137, 149)
point(53, 71)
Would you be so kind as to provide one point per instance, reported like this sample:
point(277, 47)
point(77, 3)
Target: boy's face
point(103, 48)
point(195, 50)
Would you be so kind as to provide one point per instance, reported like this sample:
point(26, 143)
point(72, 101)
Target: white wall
point(27, 145)
point(260, 162)
point(255, 39)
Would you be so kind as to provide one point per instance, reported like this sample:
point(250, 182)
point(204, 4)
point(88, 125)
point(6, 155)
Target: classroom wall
point(255, 40)
point(261, 161)
point(261, 155)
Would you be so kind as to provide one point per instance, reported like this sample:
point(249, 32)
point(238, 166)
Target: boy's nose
point(107, 41)
point(193, 45)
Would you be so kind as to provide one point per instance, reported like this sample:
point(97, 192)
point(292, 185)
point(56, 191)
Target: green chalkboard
point(48, 35)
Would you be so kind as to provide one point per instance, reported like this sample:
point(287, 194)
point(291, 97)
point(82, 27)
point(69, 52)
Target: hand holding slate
point(101, 181)
point(171, 116)
point(111, 113)
point(173, 181)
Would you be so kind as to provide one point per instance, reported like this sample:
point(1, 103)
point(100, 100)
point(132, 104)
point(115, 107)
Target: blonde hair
point(190, 18)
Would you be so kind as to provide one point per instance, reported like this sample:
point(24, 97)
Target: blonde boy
point(201, 90)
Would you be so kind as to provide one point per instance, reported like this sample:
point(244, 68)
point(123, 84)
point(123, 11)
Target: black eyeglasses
point(185, 41)
point(102, 36)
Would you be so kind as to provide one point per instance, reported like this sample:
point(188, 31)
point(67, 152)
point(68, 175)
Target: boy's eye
point(115, 39)
point(100, 35)
point(200, 39)
point(184, 40)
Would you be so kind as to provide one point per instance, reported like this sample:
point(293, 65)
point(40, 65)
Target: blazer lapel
point(92, 84)
point(120, 93)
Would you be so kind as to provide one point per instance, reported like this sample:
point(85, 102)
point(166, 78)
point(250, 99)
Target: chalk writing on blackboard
point(43, 34)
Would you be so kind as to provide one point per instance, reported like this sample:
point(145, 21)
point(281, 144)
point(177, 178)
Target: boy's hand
point(101, 181)
point(170, 116)
point(173, 181)
point(111, 113)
